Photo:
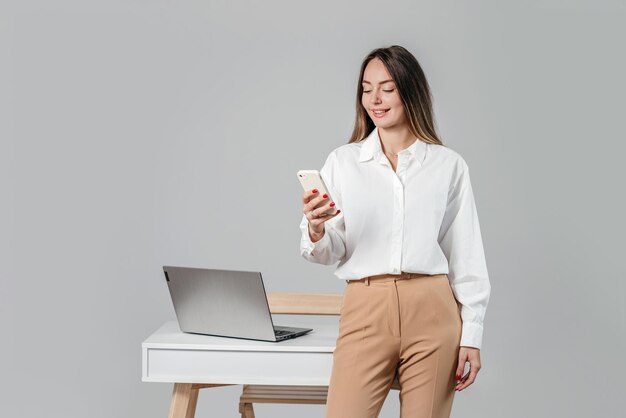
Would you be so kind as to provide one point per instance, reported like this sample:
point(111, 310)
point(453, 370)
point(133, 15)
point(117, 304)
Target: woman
point(409, 246)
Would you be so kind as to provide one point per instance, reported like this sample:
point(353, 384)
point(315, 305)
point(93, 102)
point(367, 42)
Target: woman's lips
point(380, 114)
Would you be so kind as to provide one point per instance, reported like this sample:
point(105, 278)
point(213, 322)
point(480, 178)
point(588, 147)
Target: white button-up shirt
point(419, 219)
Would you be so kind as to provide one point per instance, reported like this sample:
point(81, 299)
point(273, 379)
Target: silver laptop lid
point(227, 303)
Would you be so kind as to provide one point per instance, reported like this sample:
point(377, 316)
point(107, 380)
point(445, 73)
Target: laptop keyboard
point(281, 332)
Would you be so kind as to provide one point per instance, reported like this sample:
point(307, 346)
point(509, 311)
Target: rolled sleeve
point(461, 241)
point(328, 250)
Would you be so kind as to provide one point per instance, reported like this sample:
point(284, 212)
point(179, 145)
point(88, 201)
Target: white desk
point(197, 361)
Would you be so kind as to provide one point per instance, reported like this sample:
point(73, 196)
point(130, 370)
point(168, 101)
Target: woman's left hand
point(471, 354)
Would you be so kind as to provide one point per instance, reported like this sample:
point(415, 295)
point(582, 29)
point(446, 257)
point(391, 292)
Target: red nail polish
point(332, 204)
point(325, 196)
point(338, 211)
point(314, 190)
point(458, 376)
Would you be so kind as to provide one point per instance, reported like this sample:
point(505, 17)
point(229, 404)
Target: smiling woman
point(408, 244)
point(393, 91)
point(372, 95)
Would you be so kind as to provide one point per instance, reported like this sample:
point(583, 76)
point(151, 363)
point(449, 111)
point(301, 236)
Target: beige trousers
point(409, 325)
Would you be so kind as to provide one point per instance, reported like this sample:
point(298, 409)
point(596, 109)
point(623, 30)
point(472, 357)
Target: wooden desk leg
point(246, 410)
point(184, 400)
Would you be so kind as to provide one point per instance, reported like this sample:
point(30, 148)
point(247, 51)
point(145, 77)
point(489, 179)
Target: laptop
point(224, 303)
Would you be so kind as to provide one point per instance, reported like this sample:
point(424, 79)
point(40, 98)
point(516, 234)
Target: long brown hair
point(413, 89)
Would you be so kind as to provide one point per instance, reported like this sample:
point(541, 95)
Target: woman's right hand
point(315, 208)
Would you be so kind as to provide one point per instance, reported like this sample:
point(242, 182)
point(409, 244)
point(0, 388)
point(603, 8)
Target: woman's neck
point(394, 140)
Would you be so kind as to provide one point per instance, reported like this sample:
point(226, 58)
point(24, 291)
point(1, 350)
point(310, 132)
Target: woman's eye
point(366, 91)
point(387, 91)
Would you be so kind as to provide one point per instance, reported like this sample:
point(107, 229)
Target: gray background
point(142, 133)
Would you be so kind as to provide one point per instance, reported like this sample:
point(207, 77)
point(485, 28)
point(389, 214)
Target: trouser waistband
point(389, 277)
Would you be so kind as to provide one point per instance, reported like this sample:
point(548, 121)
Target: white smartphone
point(311, 179)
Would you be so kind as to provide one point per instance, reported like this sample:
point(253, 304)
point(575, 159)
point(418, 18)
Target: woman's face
point(380, 93)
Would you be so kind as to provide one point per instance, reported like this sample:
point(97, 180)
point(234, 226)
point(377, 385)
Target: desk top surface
point(169, 336)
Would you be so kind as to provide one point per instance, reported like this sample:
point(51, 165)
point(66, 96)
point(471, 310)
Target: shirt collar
point(372, 148)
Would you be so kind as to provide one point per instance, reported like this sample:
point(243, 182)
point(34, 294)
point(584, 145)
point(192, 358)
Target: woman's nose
point(374, 98)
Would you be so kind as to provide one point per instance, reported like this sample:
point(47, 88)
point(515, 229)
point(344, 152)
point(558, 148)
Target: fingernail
point(338, 211)
point(325, 196)
point(458, 376)
point(332, 204)
point(314, 190)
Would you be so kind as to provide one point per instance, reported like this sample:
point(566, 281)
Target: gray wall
point(141, 133)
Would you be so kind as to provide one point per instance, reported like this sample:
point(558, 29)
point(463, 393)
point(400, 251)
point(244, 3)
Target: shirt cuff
point(472, 335)
point(309, 245)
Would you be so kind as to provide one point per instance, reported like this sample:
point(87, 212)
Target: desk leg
point(246, 410)
point(184, 400)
